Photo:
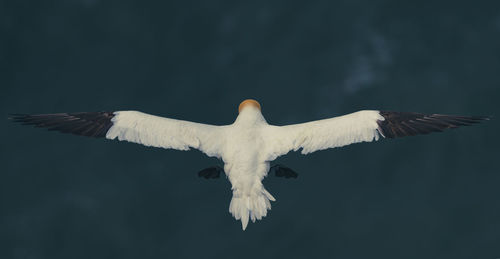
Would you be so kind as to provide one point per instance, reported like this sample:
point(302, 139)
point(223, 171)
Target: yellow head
point(249, 102)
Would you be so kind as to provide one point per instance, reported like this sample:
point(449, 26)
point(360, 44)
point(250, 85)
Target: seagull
point(250, 144)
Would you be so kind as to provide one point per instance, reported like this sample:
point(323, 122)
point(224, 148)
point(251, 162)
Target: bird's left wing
point(362, 126)
point(132, 126)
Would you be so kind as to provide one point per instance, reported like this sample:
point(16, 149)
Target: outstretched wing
point(132, 126)
point(362, 126)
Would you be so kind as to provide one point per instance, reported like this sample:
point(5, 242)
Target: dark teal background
point(436, 196)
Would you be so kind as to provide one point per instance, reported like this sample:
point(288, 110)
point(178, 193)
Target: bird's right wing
point(133, 126)
point(362, 126)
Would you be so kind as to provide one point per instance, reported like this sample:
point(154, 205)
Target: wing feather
point(91, 124)
point(362, 126)
point(132, 126)
point(390, 126)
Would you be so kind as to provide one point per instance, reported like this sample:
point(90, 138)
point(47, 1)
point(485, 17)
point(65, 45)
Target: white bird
point(249, 144)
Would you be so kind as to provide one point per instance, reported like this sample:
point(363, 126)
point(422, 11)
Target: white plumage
point(249, 144)
point(150, 130)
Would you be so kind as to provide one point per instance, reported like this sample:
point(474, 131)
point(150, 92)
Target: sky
point(433, 196)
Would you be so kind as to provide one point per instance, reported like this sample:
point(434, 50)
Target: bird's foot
point(211, 172)
point(283, 171)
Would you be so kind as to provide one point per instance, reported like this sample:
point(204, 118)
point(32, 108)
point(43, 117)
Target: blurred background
point(435, 196)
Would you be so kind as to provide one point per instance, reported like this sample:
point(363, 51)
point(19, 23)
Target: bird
point(249, 144)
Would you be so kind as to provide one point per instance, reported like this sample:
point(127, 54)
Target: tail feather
point(253, 206)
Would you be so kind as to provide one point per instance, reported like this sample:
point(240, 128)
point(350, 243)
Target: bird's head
point(249, 103)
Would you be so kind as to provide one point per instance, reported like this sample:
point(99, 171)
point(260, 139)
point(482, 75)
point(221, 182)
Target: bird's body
point(246, 163)
point(250, 144)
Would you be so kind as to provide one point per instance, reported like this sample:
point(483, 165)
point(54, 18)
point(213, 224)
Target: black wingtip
point(400, 124)
point(475, 119)
point(91, 124)
point(17, 117)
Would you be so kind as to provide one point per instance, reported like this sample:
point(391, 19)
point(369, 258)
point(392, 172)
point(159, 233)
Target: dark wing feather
point(400, 124)
point(91, 124)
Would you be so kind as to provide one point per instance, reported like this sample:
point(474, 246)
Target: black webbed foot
point(283, 171)
point(211, 172)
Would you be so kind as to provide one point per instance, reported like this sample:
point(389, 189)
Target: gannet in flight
point(249, 144)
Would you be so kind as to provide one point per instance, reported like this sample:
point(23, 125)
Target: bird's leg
point(211, 172)
point(283, 171)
